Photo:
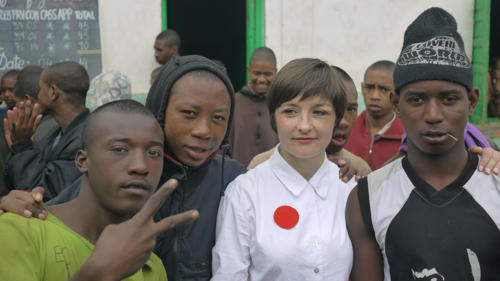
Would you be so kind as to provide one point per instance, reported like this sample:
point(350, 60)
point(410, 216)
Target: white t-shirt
point(250, 245)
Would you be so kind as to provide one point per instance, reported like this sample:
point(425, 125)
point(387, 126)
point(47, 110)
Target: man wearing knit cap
point(430, 215)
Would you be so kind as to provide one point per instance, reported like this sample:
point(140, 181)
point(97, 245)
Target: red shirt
point(383, 148)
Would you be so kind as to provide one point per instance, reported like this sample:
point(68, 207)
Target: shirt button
point(316, 270)
point(315, 244)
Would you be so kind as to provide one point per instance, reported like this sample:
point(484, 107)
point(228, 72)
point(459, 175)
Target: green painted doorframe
point(254, 25)
point(163, 14)
point(480, 59)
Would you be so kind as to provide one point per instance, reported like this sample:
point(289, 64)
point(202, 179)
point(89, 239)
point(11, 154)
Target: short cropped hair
point(127, 106)
point(384, 65)
point(71, 78)
point(11, 73)
point(170, 37)
point(27, 82)
point(308, 77)
point(263, 54)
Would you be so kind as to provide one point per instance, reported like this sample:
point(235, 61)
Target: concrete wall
point(351, 34)
point(128, 29)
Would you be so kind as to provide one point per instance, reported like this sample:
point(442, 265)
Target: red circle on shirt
point(286, 217)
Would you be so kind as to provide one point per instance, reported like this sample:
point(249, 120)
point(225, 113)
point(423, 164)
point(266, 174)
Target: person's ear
point(175, 49)
point(249, 69)
point(395, 102)
point(473, 99)
point(81, 161)
point(54, 92)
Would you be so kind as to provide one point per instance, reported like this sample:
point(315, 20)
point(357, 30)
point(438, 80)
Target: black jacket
point(43, 164)
point(186, 251)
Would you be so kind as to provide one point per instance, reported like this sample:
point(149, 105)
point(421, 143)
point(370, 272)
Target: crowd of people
point(281, 180)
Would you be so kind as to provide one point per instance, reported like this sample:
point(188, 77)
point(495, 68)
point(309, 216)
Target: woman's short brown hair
point(308, 77)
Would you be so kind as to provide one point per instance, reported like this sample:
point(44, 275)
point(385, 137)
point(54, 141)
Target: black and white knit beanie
point(433, 50)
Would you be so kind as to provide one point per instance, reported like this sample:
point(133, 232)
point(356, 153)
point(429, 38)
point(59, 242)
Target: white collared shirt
point(251, 246)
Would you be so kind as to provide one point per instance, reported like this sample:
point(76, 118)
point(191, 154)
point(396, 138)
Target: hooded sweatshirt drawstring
point(224, 148)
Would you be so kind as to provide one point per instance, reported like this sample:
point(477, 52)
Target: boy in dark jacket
point(192, 99)
point(251, 132)
point(50, 161)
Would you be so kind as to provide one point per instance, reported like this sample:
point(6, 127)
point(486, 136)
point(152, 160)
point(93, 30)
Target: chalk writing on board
point(45, 32)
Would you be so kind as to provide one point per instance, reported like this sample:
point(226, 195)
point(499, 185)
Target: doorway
point(494, 30)
point(494, 63)
point(214, 29)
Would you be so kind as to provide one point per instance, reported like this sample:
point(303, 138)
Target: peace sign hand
point(122, 249)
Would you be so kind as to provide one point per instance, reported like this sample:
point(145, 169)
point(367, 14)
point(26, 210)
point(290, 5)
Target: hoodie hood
point(248, 92)
point(172, 71)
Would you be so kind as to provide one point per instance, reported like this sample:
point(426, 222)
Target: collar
point(296, 183)
point(149, 263)
point(394, 128)
point(442, 196)
point(247, 91)
point(173, 168)
point(80, 118)
point(386, 127)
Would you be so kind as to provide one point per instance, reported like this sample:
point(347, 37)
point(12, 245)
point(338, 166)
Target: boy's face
point(163, 53)
point(430, 110)
point(261, 75)
point(196, 118)
point(124, 161)
point(376, 88)
point(7, 91)
point(346, 125)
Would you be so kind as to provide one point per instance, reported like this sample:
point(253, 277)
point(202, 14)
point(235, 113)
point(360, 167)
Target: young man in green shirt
point(107, 232)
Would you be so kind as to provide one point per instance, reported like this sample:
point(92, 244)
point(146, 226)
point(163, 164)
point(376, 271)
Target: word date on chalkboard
point(45, 32)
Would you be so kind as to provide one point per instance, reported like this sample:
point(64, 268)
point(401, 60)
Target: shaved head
point(11, 74)
point(71, 78)
point(382, 65)
point(127, 107)
point(27, 82)
point(263, 54)
point(170, 37)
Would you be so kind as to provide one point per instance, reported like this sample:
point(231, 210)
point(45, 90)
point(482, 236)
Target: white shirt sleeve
point(231, 253)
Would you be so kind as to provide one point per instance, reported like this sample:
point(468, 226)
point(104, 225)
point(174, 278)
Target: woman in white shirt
point(284, 220)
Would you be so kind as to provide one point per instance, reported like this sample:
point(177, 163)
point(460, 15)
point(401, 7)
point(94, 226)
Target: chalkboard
point(44, 32)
